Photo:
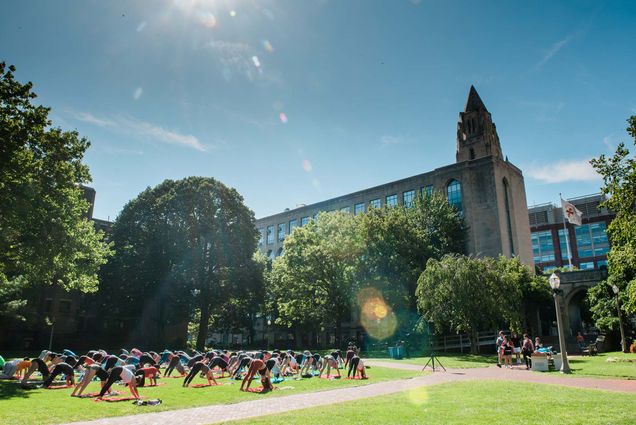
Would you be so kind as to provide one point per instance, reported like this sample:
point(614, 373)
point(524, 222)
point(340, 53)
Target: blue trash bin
point(399, 352)
point(392, 353)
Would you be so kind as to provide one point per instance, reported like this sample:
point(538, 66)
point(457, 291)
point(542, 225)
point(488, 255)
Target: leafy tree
point(399, 241)
point(313, 284)
point(466, 294)
point(183, 244)
point(45, 237)
point(619, 179)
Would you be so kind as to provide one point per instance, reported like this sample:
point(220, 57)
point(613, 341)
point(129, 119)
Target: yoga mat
point(203, 385)
point(330, 377)
point(357, 378)
point(115, 399)
point(96, 394)
point(58, 387)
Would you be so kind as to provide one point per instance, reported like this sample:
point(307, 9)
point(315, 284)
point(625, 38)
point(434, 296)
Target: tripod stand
point(433, 358)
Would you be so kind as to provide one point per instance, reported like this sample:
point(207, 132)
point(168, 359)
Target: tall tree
point(45, 236)
point(619, 179)
point(399, 241)
point(183, 244)
point(466, 294)
point(313, 283)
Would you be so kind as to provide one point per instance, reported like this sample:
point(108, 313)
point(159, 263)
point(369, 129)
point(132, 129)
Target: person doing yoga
point(39, 365)
point(92, 371)
point(150, 373)
point(257, 366)
point(329, 362)
point(124, 374)
point(204, 369)
point(174, 363)
point(356, 365)
point(60, 368)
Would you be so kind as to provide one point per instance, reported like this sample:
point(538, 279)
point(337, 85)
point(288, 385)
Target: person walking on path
point(498, 343)
point(527, 349)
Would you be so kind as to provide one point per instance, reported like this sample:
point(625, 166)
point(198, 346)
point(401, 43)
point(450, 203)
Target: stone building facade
point(487, 189)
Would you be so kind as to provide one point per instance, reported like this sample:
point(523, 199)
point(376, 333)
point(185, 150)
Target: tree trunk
point(204, 323)
point(474, 342)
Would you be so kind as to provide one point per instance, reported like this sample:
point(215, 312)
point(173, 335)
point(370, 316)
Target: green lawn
point(473, 403)
point(18, 406)
point(453, 361)
point(598, 366)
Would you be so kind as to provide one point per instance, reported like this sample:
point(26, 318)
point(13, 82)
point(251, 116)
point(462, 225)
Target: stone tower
point(476, 133)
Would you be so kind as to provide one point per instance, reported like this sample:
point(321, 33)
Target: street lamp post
point(620, 317)
point(269, 323)
point(555, 282)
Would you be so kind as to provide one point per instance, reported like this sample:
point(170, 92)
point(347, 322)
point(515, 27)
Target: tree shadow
point(13, 389)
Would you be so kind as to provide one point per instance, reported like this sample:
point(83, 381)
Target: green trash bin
point(399, 352)
point(392, 353)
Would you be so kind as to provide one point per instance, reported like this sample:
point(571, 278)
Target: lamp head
point(615, 289)
point(555, 281)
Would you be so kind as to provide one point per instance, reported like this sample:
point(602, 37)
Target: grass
point(472, 403)
point(41, 406)
point(452, 361)
point(598, 366)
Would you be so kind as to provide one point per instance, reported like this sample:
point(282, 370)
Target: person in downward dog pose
point(124, 374)
point(328, 363)
point(94, 370)
point(356, 365)
point(257, 366)
point(204, 369)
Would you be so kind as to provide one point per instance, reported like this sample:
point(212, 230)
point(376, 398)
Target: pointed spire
point(474, 102)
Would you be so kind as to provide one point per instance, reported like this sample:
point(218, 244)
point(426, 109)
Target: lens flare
point(376, 316)
point(256, 61)
point(232, 13)
point(268, 46)
point(283, 117)
point(418, 396)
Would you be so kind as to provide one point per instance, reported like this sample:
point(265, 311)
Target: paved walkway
point(270, 405)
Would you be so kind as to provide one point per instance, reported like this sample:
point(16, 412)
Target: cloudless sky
point(293, 102)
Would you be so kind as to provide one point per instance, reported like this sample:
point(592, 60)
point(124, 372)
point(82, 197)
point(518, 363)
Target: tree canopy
point(368, 264)
point(619, 184)
point(183, 245)
point(45, 236)
point(467, 294)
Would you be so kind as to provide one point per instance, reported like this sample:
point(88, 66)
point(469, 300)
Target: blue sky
point(294, 102)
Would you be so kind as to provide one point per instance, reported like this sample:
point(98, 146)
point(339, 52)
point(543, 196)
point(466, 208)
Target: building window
point(454, 190)
point(408, 198)
point(270, 235)
point(346, 210)
point(358, 208)
point(292, 225)
point(563, 235)
point(281, 232)
point(391, 201)
point(304, 220)
point(591, 240)
point(587, 265)
point(472, 153)
point(542, 246)
point(374, 203)
point(270, 254)
point(64, 307)
point(260, 236)
point(427, 191)
point(601, 263)
point(280, 251)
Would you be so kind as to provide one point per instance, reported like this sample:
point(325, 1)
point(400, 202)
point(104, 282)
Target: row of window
point(453, 190)
point(591, 241)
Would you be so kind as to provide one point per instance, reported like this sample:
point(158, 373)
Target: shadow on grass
point(12, 389)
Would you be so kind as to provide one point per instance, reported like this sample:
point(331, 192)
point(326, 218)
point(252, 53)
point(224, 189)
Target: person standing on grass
point(498, 343)
point(527, 349)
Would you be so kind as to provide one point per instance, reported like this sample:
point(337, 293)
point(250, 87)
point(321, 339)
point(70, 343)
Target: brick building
point(482, 184)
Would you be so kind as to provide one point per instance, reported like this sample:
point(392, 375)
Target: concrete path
point(270, 405)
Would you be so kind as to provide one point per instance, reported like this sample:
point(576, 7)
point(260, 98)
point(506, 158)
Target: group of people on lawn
point(513, 345)
point(135, 368)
